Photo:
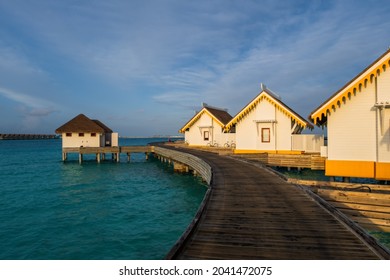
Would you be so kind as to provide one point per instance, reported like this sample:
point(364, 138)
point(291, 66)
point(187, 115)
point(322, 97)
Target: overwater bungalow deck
point(101, 152)
point(251, 213)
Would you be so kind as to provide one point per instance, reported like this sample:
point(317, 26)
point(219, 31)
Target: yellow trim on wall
point(347, 168)
point(382, 170)
point(283, 152)
point(278, 104)
point(351, 89)
point(197, 117)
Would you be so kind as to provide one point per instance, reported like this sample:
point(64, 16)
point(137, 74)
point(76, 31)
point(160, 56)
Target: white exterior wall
point(310, 143)
point(222, 138)
point(248, 131)
point(283, 132)
point(195, 135)
point(114, 139)
point(383, 93)
point(351, 128)
point(77, 141)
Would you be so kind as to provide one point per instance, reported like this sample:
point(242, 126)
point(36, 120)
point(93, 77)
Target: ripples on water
point(55, 210)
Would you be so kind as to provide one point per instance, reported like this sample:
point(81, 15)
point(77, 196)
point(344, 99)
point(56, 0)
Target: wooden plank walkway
point(254, 214)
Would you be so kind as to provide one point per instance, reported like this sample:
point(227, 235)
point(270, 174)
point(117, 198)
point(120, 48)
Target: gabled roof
point(269, 96)
point(350, 89)
point(222, 117)
point(82, 123)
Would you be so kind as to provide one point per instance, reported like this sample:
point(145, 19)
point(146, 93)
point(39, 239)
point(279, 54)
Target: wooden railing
point(195, 163)
point(311, 161)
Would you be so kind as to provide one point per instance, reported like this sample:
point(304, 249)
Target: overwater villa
point(206, 127)
point(81, 131)
point(357, 118)
point(265, 125)
point(268, 125)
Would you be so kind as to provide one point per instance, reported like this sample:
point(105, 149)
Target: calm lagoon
point(51, 210)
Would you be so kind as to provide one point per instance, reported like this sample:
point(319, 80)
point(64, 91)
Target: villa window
point(265, 135)
point(93, 134)
point(68, 134)
point(81, 134)
point(206, 136)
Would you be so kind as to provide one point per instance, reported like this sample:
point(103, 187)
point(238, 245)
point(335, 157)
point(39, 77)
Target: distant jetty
point(28, 136)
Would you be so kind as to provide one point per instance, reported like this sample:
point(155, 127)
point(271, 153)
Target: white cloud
point(38, 107)
point(184, 52)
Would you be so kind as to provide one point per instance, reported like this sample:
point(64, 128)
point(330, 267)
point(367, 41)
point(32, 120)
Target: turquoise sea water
point(55, 210)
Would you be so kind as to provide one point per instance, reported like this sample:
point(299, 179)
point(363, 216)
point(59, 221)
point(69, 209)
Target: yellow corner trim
point(382, 170)
point(346, 168)
point(278, 105)
point(350, 90)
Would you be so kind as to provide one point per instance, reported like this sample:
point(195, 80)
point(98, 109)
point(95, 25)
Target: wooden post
point(128, 157)
point(64, 156)
point(180, 167)
point(80, 158)
point(98, 157)
point(117, 157)
point(104, 156)
point(146, 156)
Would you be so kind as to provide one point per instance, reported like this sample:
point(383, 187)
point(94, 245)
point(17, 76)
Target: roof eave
point(304, 123)
point(319, 115)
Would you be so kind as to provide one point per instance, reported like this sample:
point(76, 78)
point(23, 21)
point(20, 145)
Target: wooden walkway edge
point(251, 213)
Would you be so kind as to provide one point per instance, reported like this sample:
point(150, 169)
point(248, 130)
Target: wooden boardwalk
point(252, 213)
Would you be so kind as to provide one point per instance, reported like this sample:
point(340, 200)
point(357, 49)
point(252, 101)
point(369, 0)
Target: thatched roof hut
point(82, 123)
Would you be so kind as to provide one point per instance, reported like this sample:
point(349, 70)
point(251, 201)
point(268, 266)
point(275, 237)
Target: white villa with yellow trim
point(266, 124)
point(207, 128)
point(358, 123)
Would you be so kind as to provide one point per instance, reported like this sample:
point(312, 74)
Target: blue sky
point(143, 67)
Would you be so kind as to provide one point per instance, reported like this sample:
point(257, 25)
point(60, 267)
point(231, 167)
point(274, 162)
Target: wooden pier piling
point(100, 152)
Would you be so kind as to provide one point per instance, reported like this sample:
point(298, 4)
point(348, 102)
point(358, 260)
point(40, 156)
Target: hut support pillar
point(128, 157)
point(98, 157)
point(115, 157)
point(180, 167)
point(64, 156)
point(80, 158)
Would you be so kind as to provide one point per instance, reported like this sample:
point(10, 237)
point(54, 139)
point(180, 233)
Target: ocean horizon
point(54, 210)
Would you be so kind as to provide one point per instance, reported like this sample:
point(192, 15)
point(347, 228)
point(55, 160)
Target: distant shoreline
point(15, 136)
